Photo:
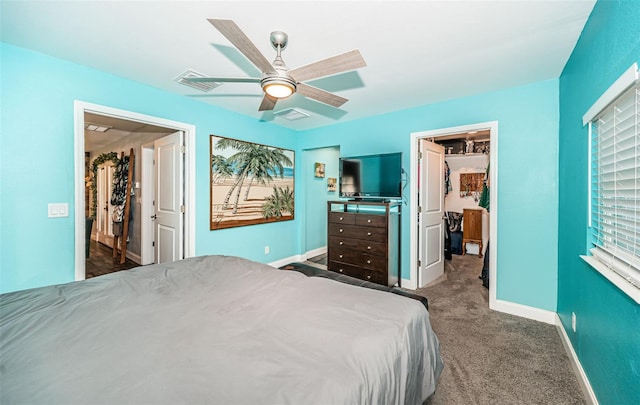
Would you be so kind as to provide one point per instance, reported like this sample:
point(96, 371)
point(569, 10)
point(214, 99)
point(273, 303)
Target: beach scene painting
point(250, 183)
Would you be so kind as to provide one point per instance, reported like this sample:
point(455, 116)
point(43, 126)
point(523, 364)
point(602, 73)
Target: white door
point(431, 246)
point(169, 198)
point(104, 209)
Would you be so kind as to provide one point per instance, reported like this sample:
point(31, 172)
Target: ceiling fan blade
point(234, 34)
point(268, 103)
point(320, 95)
point(222, 79)
point(330, 66)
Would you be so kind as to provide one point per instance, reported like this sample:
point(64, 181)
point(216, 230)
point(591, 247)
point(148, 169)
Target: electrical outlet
point(573, 321)
point(266, 250)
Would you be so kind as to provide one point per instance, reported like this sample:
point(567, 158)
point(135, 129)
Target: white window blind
point(615, 187)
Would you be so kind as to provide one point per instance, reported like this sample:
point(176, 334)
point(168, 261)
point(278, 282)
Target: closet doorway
point(469, 143)
point(129, 130)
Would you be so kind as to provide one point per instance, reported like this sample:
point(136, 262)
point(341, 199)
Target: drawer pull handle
point(341, 256)
point(340, 270)
point(341, 229)
point(368, 233)
point(368, 247)
point(369, 277)
point(341, 243)
point(368, 220)
point(341, 218)
point(368, 261)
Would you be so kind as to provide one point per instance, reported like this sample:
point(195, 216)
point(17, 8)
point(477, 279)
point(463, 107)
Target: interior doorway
point(156, 128)
point(491, 131)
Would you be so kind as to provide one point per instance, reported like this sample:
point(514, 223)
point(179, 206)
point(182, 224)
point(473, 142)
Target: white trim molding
point(524, 311)
point(299, 258)
point(615, 278)
point(583, 380)
point(287, 260)
point(79, 108)
point(628, 79)
point(315, 252)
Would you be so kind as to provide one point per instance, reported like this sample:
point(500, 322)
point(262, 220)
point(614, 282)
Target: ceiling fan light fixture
point(279, 87)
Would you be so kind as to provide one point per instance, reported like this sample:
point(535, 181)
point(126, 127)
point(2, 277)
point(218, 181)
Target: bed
point(214, 330)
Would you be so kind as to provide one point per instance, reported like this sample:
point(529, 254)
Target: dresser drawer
point(359, 259)
point(358, 232)
point(362, 274)
point(342, 218)
point(363, 246)
point(371, 220)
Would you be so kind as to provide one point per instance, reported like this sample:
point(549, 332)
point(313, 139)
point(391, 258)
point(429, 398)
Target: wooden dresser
point(472, 228)
point(364, 240)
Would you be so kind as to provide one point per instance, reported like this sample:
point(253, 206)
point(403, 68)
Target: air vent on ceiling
point(202, 86)
point(291, 114)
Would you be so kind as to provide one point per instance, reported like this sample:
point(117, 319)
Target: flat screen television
point(372, 177)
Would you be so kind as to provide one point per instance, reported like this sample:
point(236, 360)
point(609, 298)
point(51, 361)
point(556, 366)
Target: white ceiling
point(417, 52)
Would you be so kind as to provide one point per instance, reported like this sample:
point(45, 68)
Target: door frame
point(492, 126)
point(82, 107)
point(147, 251)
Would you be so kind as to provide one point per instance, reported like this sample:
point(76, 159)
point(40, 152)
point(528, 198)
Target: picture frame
point(319, 170)
point(331, 184)
point(250, 183)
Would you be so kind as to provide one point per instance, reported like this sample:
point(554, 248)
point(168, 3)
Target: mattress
point(214, 330)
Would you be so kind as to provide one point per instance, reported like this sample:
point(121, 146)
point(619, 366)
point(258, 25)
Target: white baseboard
point(589, 395)
point(299, 258)
point(287, 260)
point(524, 311)
point(315, 252)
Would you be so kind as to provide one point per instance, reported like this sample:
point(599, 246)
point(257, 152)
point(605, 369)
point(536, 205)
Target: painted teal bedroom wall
point(528, 128)
point(607, 340)
point(527, 168)
point(37, 164)
point(314, 216)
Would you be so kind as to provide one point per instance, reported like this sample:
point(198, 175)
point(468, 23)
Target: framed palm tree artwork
point(250, 183)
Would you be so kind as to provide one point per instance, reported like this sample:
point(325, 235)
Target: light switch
point(58, 210)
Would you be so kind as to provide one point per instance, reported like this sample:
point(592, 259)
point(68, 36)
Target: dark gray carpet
point(491, 357)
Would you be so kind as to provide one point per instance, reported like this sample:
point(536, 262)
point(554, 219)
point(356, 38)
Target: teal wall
point(527, 168)
point(314, 219)
point(37, 164)
point(32, 82)
point(607, 341)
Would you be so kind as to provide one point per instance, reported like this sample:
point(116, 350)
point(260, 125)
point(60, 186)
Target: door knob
point(154, 216)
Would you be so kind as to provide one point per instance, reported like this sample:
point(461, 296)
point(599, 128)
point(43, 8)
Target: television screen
point(371, 176)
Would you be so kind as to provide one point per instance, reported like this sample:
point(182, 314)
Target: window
point(615, 184)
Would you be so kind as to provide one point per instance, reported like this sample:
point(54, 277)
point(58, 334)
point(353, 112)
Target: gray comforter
point(214, 330)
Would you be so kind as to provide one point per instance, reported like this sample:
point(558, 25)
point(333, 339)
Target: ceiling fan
point(277, 80)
